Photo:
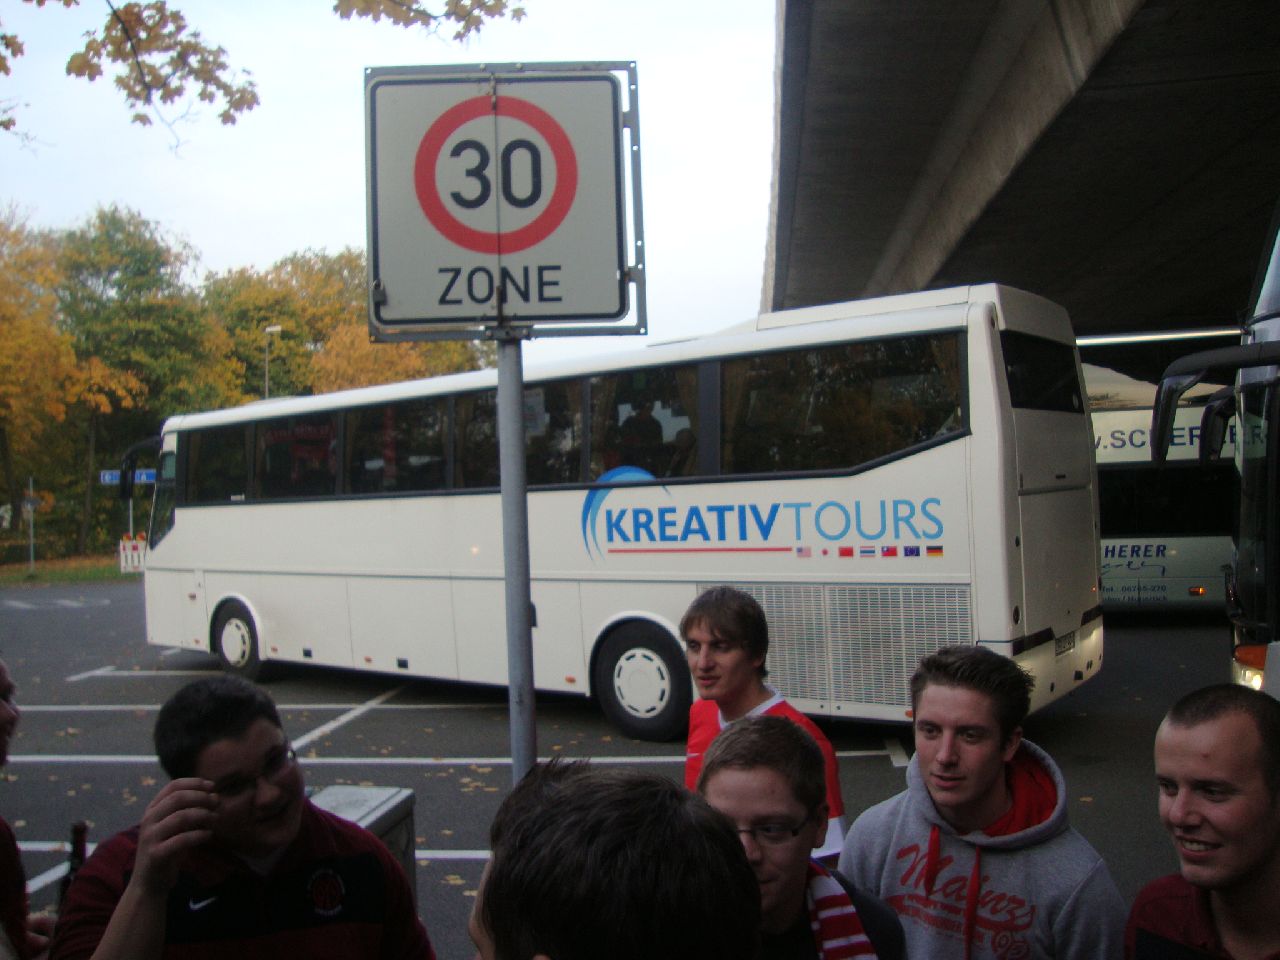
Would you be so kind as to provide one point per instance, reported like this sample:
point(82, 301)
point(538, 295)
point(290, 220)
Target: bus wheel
point(236, 640)
point(642, 683)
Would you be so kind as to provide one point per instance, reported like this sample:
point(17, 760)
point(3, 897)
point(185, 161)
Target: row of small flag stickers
point(869, 552)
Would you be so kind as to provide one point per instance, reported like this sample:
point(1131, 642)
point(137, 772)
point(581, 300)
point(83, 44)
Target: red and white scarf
point(836, 927)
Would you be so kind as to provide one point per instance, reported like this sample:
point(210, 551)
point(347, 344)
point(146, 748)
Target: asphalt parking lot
point(89, 690)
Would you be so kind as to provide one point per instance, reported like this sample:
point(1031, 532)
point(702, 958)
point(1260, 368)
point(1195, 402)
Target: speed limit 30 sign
point(495, 194)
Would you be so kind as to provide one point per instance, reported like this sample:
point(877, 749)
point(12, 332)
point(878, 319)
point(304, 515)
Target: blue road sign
point(111, 478)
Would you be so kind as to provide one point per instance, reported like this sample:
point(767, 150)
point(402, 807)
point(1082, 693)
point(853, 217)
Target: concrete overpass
point(1121, 157)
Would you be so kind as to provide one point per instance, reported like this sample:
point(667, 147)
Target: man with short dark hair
point(231, 858)
point(766, 775)
point(605, 863)
point(726, 638)
point(1217, 759)
point(976, 855)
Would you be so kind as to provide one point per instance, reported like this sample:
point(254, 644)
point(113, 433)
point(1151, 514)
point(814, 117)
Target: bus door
point(1054, 454)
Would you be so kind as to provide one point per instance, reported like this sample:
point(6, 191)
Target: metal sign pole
point(515, 548)
point(497, 210)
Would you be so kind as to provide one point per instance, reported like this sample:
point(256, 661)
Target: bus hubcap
point(641, 682)
point(235, 642)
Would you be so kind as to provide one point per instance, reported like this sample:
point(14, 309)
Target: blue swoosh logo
point(595, 500)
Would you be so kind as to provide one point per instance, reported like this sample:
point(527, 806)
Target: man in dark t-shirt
point(232, 860)
point(1217, 760)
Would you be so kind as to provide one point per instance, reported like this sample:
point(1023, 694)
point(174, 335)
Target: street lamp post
point(266, 358)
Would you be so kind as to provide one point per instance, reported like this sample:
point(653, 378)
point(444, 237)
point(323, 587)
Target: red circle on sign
point(483, 241)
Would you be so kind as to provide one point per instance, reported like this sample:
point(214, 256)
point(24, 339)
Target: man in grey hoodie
point(976, 855)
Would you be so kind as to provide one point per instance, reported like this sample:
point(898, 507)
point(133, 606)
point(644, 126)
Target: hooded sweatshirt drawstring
point(932, 867)
point(971, 901)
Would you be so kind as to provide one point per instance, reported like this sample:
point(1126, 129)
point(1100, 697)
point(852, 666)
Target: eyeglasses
point(773, 834)
point(278, 763)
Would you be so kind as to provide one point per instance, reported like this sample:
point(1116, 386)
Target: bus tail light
point(1195, 591)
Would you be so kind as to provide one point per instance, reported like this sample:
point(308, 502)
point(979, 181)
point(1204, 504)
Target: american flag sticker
point(888, 551)
point(804, 551)
point(911, 551)
point(866, 551)
point(846, 551)
point(933, 551)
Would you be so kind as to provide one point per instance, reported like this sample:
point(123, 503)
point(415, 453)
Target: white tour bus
point(886, 476)
point(1166, 530)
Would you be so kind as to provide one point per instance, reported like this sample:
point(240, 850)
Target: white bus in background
point(886, 476)
point(1166, 530)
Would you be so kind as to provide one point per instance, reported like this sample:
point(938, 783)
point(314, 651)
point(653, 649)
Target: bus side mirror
point(1214, 423)
point(130, 461)
point(1163, 410)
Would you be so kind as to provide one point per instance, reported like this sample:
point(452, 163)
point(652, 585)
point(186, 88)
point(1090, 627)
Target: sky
point(290, 175)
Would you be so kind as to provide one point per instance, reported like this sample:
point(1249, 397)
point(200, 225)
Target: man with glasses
point(231, 859)
point(766, 775)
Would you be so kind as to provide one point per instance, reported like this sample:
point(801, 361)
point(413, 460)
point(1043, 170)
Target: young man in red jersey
point(726, 639)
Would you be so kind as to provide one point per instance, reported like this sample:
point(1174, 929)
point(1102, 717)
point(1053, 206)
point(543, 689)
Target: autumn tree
point(243, 304)
point(349, 359)
point(138, 335)
point(157, 60)
point(36, 363)
point(331, 292)
point(317, 299)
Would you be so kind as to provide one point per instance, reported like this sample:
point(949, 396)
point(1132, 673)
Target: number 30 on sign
point(491, 193)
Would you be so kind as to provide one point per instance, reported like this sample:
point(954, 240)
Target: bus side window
point(476, 439)
point(637, 419)
point(296, 457)
point(217, 465)
point(838, 406)
point(396, 447)
point(553, 432)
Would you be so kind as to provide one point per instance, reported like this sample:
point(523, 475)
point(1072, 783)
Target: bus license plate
point(1064, 644)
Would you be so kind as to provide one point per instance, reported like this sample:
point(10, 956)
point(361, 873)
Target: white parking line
point(40, 881)
point(90, 673)
point(326, 728)
point(114, 674)
point(81, 758)
point(282, 707)
point(897, 755)
point(411, 761)
point(450, 854)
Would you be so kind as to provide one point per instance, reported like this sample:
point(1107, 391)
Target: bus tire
point(235, 639)
point(642, 682)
